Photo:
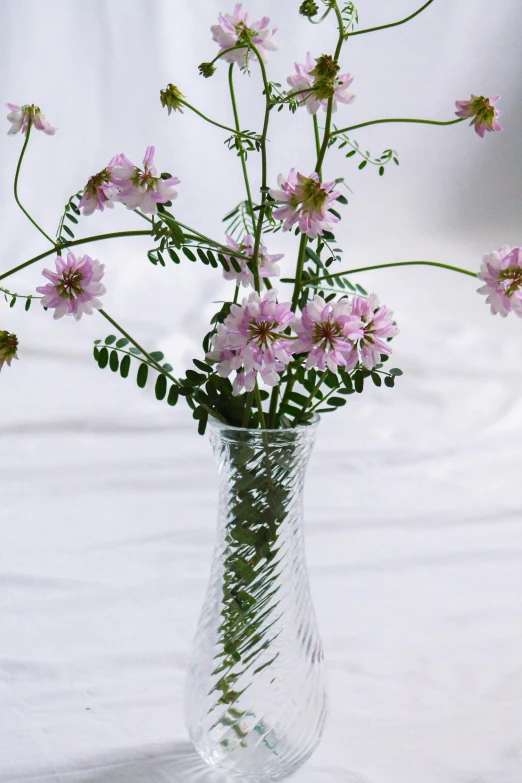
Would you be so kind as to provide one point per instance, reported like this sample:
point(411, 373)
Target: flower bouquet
point(279, 353)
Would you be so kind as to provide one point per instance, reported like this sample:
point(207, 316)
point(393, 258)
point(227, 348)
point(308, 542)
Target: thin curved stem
point(317, 138)
point(237, 132)
point(329, 111)
point(19, 166)
point(299, 271)
point(398, 119)
point(242, 155)
point(393, 24)
point(314, 280)
point(18, 296)
point(73, 243)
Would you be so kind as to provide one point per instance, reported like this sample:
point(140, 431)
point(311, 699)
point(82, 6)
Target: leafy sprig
point(342, 140)
point(71, 213)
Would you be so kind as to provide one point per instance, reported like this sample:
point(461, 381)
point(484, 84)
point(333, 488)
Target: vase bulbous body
point(255, 696)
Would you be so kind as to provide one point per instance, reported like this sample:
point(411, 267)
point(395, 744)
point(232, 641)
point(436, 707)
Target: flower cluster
point(323, 78)
point(122, 181)
point(237, 33)
point(250, 341)
point(74, 288)
point(307, 201)
point(501, 272)
point(482, 112)
point(267, 264)
point(172, 99)
point(21, 116)
point(8, 348)
point(344, 333)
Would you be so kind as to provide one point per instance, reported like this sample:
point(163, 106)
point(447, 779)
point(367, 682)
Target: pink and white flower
point(100, 191)
point(267, 264)
point(21, 116)
point(236, 29)
point(74, 288)
point(482, 112)
point(142, 188)
point(501, 271)
point(377, 327)
point(250, 341)
point(328, 333)
point(322, 86)
point(307, 202)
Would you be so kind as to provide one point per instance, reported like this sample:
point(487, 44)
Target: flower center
point(70, 285)
point(512, 279)
point(327, 333)
point(245, 35)
point(311, 195)
point(95, 182)
point(262, 332)
point(144, 179)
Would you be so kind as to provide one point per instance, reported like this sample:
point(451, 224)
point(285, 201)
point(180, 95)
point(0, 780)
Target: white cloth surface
point(413, 501)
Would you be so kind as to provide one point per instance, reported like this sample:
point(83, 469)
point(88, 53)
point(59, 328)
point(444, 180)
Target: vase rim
point(221, 425)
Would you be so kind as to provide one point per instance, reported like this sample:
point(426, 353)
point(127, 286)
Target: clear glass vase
point(255, 696)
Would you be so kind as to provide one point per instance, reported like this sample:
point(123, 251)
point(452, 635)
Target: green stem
point(317, 138)
point(248, 409)
point(274, 399)
point(299, 271)
point(154, 363)
point(237, 132)
point(259, 404)
point(73, 243)
point(385, 266)
point(242, 155)
point(312, 395)
point(329, 111)
point(393, 24)
point(398, 119)
point(19, 296)
point(19, 166)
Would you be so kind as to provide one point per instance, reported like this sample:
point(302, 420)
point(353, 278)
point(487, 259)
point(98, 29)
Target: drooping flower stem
point(73, 243)
point(238, 126)
point(329, 111)
point(236, 132)
point(19, 166)
point(397, 119)
point(393, 24)
point(314, 280)
point(299, 271)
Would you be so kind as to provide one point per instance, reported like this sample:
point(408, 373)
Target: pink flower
point(322, 77)
point(328, 334)
point(236, 29)
point(250, 341)
point(267, 264)
point(100, 191)
point(8, 348)
point(501, 271)
point(74, 287)
point(482, 111)
point(377, 326)
point(21, 116)
point(142, 188)
point(307, 201)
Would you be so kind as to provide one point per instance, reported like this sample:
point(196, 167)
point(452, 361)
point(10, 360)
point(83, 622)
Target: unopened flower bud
point(171, 97)
point(207, 70)
point(309, 8)
point(8, 348)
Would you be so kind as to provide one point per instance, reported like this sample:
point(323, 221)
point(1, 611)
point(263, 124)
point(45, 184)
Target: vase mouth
point(221, 426)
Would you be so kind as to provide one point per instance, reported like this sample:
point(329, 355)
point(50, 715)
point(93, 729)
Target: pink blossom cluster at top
point(501, 272)
point(236, 29)
point(267, 264)
point(122, 181)
point(21, 116)
point(344, 333)
point(305, 77)
point(482, 112)
point(306, 202)
point(75, 286)
point(250, 341)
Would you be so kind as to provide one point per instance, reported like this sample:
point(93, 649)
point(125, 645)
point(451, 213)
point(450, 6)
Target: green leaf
point(152, 258)
point(71, 217)
point(376, 378)
point(161, 387)
point(143, 374)
point(122, 342)
point(114, 362)
point(351, 154)
point(173, 255)
point(188, 252)
point(381, 171)
point(342, 199)
point(202, 366)
point(13, 301)
point(212, 258)
point(362, 164)
point(103, 358)
point(96, 353)
point(68, 231)
point(173, 395)
point(157, 356)
point(202, 256)
point(168, 367)
point(110, 339)
point(28, 304)
point(203, 421)
point(125, 366)
point(395, 371)
point(337, 402)
point(358, 382)
point(135, 351)
point(361, 290)
point(389, 381)
point(195, 378)
point(312, 255)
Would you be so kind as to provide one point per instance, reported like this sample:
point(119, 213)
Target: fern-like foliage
point(342, 140)
point(12, 298)
point(71, 213)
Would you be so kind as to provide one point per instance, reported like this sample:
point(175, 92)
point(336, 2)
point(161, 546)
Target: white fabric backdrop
point(413, 505)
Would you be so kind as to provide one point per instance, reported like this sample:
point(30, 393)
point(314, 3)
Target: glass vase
point(255, 696)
